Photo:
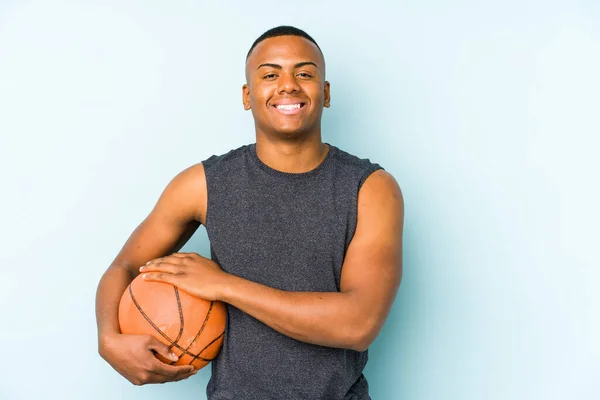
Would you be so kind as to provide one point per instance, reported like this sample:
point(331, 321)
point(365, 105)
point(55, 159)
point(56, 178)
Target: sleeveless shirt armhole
point(206, 164)
point(214, 161)
point(367, 173)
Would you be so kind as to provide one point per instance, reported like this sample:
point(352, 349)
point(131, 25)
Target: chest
point(292, 238)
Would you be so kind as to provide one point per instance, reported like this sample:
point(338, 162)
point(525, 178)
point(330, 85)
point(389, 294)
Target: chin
point(291, 132)
point(287, 129)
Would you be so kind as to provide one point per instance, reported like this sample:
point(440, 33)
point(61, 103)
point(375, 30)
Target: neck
point(291, 156)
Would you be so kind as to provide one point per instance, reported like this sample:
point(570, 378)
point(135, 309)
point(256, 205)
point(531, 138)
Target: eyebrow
point(277, 66)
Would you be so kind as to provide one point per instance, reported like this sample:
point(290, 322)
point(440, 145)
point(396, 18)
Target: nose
point(288, 84)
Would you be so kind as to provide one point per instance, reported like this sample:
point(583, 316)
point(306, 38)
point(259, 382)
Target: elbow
point(360, 347)
point(361, 344)
point(362, 338)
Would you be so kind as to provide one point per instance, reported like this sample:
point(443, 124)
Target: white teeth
point(288, 107)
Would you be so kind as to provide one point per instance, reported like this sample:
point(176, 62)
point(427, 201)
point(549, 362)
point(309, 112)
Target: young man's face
point(286, 88)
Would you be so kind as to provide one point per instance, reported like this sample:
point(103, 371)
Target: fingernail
point(148, 262)
point(173, 357)
point(144, 276)
point(141, 269)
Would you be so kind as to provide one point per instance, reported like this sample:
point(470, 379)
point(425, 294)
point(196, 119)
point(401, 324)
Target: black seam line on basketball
point(157, 329)
point(202, 327)
point(210, 307)
point(198, 335)
point(180, 321)
point(205, 347)
point(167, 338)
point(180, 316)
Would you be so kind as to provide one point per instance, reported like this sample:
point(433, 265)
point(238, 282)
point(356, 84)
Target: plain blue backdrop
point(486, 112)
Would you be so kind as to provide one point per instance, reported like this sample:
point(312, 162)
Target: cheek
point(260, 94)
point(315, 92)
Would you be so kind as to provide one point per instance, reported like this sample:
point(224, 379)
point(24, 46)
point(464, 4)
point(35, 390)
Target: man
point(305, 246)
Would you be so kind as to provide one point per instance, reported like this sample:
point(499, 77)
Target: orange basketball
point(193, 328)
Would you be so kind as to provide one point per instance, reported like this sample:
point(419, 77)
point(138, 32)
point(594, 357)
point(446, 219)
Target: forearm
point(108, 296)
point(324, 318)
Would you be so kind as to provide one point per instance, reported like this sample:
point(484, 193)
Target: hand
point(190, 272)
point(133, 357)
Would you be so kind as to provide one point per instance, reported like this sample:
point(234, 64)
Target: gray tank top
point(289, 231)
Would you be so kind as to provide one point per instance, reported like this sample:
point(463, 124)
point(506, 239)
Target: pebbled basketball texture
point(193, 328)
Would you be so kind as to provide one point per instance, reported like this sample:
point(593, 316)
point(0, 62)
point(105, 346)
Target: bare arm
point(371, 275)
point(351, 318)
point(171, 223)
point(142, 245)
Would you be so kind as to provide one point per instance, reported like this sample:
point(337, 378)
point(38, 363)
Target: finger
point(160, 348)
point(161, 277)
point(155, 377)
point(183, 255)
point(160, 367)
point(168, 258)
point(185, 376)
point(169, 266)
point(171, 371)
point(152, 377)
point(154, 260)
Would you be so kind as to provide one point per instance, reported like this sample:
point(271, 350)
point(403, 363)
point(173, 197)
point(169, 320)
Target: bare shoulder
point(381, 189)
point(187, 191)
point(372, 268)
point(193, 177)
point(380, 222)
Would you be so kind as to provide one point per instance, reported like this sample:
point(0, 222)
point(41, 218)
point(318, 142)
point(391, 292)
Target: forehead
point(284, 50)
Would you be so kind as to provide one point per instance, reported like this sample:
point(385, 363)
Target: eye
point(305, 75)
point(270, 76)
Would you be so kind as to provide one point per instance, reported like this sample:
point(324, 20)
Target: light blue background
point(486, 112)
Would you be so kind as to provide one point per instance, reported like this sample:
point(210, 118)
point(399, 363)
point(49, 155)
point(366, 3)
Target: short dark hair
point(283, 30)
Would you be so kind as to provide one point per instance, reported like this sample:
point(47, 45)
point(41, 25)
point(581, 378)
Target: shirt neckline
point(291, 175)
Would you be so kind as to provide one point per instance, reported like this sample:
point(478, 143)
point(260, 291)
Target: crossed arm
point(351, 318)
point(370, 278)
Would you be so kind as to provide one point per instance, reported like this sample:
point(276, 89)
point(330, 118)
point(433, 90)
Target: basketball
point(193, 328)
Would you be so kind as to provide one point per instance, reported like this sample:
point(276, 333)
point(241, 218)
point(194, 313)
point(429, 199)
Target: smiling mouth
point(289, 109)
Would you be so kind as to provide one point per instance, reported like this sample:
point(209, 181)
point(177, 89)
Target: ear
point(246, 96)
point(327, 98)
